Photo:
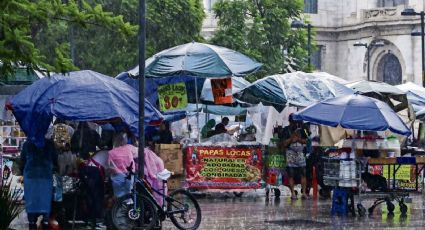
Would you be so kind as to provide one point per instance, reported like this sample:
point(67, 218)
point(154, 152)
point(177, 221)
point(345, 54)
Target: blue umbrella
point(297, 89)
point(80, 96)
point(200, 60)
point(354, 112)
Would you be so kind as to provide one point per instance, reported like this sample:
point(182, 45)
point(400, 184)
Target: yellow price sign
point(172, 96)
point(403, 173)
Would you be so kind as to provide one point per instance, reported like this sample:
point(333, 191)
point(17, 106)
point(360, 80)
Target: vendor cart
point(344, 175)
point(347, 174)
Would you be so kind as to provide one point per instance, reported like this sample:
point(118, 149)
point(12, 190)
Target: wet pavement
point(254, 211)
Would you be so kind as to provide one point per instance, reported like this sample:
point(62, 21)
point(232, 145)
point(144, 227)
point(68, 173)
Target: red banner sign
point(222, 90)
point(217, 167)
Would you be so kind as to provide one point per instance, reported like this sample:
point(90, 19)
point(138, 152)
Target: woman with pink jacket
point(122, 156)
point(119, 159)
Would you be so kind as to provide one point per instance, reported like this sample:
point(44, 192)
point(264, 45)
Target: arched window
point(389, 69)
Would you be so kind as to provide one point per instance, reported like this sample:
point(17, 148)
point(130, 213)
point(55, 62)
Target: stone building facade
point(339, 24)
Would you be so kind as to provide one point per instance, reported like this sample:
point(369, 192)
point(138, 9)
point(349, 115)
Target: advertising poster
point(275, 163)
point(172, 96)
point(219, 167)
point(222, 90)
point(405, 177)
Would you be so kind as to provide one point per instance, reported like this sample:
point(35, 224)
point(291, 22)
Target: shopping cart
point(344, 175)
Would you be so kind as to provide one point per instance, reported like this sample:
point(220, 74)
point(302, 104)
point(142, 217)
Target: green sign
point(172, 96)
point(275, 162)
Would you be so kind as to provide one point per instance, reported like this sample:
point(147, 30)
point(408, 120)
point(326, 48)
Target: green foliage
point(261, 29)
point(169, 23)
point(22, 22)
point(10, 208)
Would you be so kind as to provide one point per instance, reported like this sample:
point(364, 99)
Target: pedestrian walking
point(37, 167)
point(294, 144)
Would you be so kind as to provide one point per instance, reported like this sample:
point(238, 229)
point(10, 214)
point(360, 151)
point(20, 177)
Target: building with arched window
point(339, 24)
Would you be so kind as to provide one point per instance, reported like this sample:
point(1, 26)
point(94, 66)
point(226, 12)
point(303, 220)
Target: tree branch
point(260, 9)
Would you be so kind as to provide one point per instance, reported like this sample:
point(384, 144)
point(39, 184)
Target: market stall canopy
point(354, 112)
point(21, 76)
point(420, 113)
point(393, 96)
point(413, 88)
point(296, 89)
point(416, 96)
point(331, 77)
point(200, 60)
point(80, 96)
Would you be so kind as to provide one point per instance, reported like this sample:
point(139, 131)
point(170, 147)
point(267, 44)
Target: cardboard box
point(172, 156)
point(167, 146)
point(175, 182)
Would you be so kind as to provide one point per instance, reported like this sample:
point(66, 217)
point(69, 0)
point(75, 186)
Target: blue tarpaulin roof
point(80, 96)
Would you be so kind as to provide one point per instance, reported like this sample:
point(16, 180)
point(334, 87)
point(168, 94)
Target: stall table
point(397, 162)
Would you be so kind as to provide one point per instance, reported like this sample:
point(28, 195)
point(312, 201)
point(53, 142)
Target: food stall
point(359, 113)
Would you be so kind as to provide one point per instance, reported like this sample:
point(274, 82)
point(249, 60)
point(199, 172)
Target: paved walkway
point(252, 211)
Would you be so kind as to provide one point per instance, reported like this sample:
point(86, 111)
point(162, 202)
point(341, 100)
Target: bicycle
point(180, 206)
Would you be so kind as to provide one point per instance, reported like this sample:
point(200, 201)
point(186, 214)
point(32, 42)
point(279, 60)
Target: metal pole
point(309, 44)
point(368, 62)
point(198, 137)
point(142, 38)
point(423, 49)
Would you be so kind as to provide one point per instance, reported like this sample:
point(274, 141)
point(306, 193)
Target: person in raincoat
point(38, 165)
point(119, 159)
